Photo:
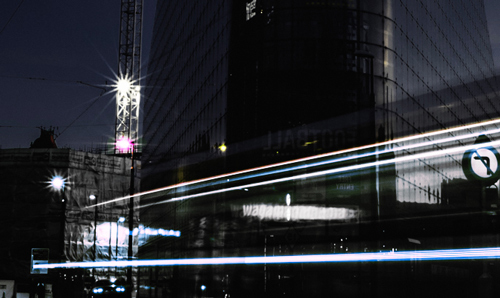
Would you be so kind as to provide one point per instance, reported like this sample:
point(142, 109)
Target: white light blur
point(120, 289)
point(145, 231)
point(296, 213)
point(123, 84)
point(124, 144)
point(422, 255)
point(57, 183)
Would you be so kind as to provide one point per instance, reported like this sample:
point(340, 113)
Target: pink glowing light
point(124, 144)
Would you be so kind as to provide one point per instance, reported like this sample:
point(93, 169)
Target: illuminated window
point(251, 9)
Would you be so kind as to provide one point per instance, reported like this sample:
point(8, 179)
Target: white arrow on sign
point(484, 163)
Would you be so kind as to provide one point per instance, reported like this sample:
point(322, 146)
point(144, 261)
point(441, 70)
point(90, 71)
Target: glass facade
point(321, 226)
point(184, 112)
point(360, 155)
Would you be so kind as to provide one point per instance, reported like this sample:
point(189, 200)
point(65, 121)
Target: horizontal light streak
point(374, 153)
point(295, 213)
point(330, 154)
point(418, 255)
point(454, 150)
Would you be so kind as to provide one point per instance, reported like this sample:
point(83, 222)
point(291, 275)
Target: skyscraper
point(275, 81)
point(304, 77)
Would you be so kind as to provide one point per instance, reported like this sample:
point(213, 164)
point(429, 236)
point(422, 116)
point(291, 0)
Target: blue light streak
point(298, 163)
point(405, 158)
point(397, 256)
point(364, 155)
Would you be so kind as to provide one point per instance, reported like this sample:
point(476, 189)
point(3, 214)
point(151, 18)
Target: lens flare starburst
point(124, 144)
point(123, 84)
point(56, 182)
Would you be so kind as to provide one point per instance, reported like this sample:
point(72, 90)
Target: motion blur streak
point(418, 255)
point(429, 154)
point(233, 176)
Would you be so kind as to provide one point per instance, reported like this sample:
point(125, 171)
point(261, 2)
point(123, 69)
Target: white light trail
point(418, 255)
point(234, 177)
point(435, 153)
point(374, 153)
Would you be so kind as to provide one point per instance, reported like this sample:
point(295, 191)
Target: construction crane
point(128, 95)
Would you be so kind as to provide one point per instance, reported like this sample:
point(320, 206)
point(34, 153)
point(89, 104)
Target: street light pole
point(57, 184)
point(94, 197)
point(131, 214)
point(120, 219)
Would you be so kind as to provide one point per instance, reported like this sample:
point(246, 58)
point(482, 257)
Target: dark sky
point(492, 14)
point(56, 55)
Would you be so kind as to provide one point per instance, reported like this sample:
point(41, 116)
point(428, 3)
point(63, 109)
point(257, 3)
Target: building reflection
point(343, 203)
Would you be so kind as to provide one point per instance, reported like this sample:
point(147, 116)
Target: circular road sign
point(482, 164)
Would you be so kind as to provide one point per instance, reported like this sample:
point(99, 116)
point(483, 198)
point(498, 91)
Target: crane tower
point(128, 96)
point(129, 71)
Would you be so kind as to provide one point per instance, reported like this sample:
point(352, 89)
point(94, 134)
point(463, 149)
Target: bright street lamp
point(57, 183)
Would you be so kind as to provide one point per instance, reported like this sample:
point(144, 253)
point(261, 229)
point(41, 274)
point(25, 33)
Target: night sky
point(56, 58)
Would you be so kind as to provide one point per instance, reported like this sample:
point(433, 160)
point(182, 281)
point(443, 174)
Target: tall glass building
point(307, 77)
point(347, 145)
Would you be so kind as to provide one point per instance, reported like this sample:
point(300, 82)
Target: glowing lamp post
point(93, 198)
point(56, 184)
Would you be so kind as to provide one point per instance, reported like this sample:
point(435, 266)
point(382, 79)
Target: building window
point(251, 9)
